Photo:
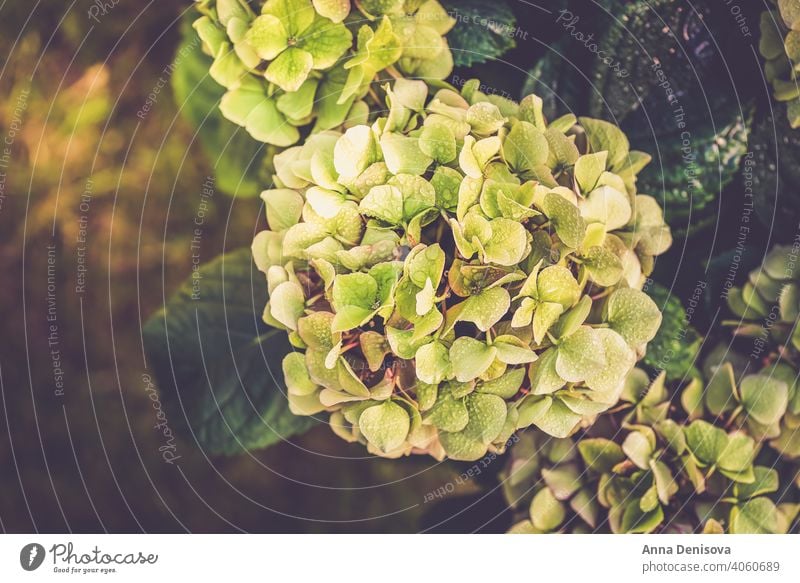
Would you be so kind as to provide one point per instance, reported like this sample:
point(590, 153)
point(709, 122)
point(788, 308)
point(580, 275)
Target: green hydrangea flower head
point(459, 269)
point(780, 46)
point(295, 64)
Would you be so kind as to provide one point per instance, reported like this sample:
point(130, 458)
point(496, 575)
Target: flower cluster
point(780, 46)
point(710, 456)
point(459, 269)
point(763, 399)
point(640, 471)
point(297, 63)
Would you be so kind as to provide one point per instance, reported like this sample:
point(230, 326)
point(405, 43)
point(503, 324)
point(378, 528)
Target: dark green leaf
point(218, 366)
point(471, 39)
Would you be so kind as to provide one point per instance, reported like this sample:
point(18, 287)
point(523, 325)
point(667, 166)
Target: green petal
point(426, 263)
point(513, 352)
point(354, 289)
point(605, 136)
point(403, 155)
point(287, 304)
point(705, 441)
point(737, 455)
point(299, 105)
point(544, 317)
point(448, 414)
point(588, 169)
point(283, 207)
point(553, 417)
point(385, 426)
point(764, 398)
point(634, 315)
point(460, 447)
point(384, 203)
point(619, 358)
point(757, 516)
point(349, 317)
point(603, 266)
point(525, 147)
point(608, 206)
point(433, 363)
point(566, 219)
point(296, 15)
point(485, 309)
point(547, 513)
point(599, 454)
point(556, 284)
point(290, 70)
point(439, 143)
point(487, 415)
point(638, 448)
point(249, 106)
point(508, 244)
point(470, 358)
point(354, 152)
point(580, 356)
point(485, 118)
point(326, 42)
point(544, 377)
point(267, 36)
point(418, 194)
point(335, 10)
point(296, 376)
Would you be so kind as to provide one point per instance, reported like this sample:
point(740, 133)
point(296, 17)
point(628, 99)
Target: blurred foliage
point(676, 344)
point(773, 174)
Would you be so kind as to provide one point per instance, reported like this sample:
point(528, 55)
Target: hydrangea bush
point(458, 270)
point(293, 66)
point(717, 454)
point(640, 471)
point(780, 46)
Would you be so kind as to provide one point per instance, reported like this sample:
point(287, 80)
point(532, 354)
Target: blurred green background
point(99, 197)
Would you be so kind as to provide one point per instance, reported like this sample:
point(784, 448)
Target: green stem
point(734, 415)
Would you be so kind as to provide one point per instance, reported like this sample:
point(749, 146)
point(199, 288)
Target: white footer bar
point(400, 558)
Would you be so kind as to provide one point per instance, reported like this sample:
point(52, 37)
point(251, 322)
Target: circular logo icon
point(31, 556)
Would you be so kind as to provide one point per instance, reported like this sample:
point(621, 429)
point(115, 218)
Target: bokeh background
point(102, 180)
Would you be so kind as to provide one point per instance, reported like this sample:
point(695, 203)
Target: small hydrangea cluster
point(763, 399)
point(639, 471)
point(459, 269)
point(780, 46)
point(297, 62)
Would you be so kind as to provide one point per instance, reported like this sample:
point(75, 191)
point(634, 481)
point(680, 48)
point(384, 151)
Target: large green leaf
point(218, 366)
point(471, 40)
point(237, 158)
point(626, 85)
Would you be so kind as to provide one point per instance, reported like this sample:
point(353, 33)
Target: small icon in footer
point(31, 556)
